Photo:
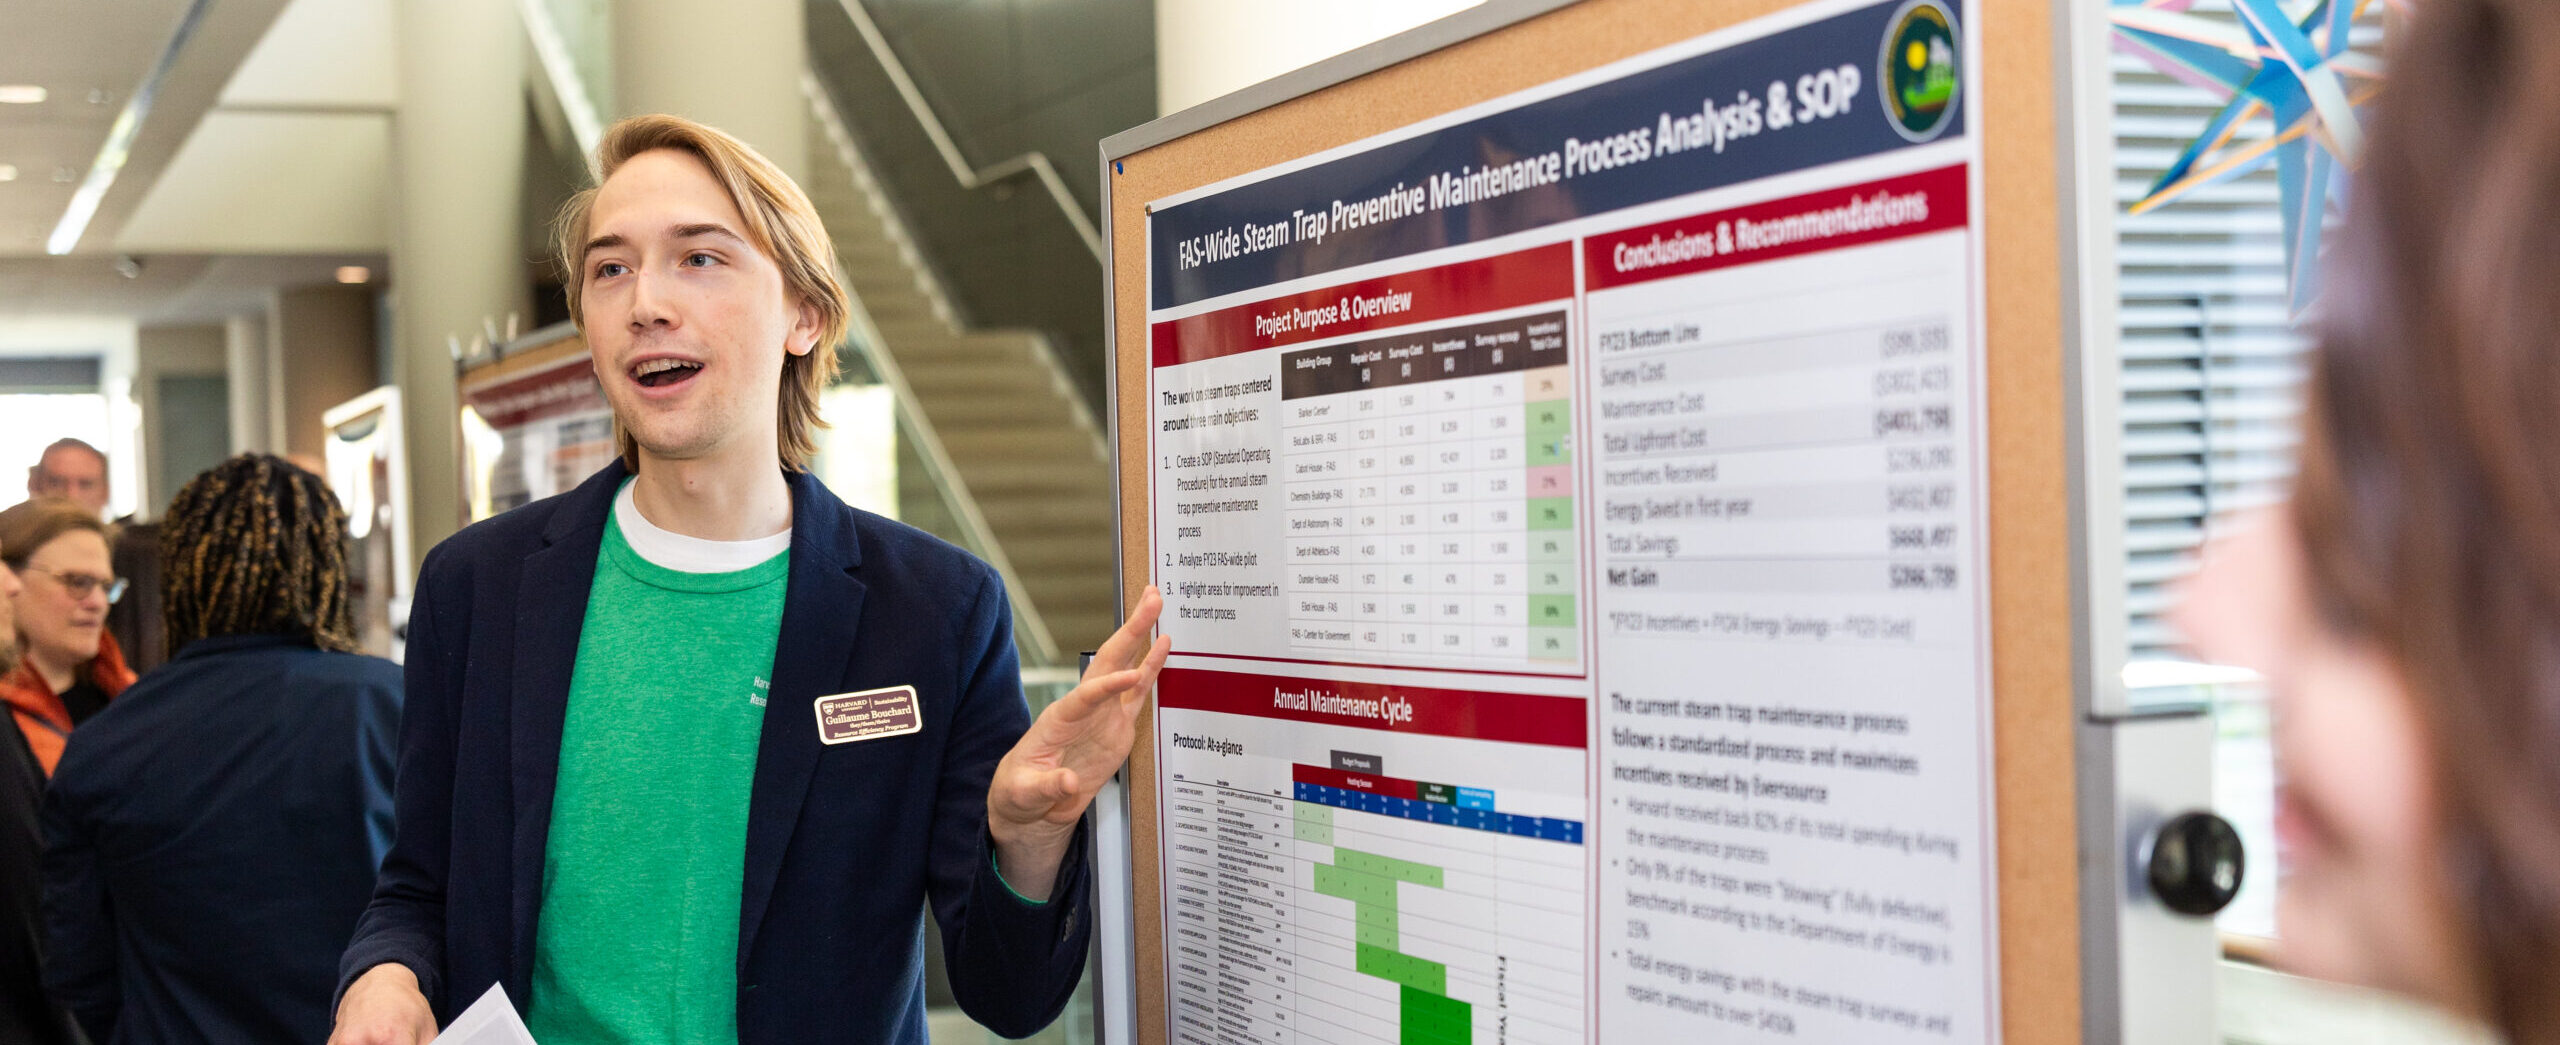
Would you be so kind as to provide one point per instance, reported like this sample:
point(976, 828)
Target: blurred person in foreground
point(212, 837)
point(69, 666)
point(2404, 609)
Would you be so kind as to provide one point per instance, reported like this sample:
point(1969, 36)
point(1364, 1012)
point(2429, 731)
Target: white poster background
point(1761, 913)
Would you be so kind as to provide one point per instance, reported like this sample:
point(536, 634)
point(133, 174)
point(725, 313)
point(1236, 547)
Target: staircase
point(1025, 447)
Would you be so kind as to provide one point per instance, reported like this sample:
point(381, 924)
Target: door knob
point(2196, 863)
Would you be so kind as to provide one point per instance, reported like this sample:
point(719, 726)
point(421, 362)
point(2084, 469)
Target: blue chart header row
point(1856, 84)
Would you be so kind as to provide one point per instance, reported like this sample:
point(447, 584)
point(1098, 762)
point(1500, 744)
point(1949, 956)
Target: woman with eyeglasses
point(71, 667)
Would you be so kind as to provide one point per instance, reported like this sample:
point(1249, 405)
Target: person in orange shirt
point(63, 558)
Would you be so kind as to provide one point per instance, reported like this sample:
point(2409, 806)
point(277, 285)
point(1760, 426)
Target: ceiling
point(263, 160)
point(166, 288)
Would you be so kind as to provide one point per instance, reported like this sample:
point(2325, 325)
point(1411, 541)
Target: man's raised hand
point(1044, 784)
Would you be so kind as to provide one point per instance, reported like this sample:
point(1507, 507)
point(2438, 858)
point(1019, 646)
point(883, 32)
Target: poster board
point(1357, 819)
point(368, 464)
point(534, 423)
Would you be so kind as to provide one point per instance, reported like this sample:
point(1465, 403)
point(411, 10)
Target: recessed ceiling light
point(8, 172)
point(354, 273)
point(21, 94)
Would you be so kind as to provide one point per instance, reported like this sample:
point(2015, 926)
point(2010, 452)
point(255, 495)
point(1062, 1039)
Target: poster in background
point(533, 433)
point(368, 465)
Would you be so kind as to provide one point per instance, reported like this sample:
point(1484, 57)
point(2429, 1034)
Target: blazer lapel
point(551, 609)
point(811, 659)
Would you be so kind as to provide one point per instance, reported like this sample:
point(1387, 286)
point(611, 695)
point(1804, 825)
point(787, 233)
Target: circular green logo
point(1919, 69)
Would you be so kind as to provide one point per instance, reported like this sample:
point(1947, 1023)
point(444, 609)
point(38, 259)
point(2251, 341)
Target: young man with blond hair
point(688, 748)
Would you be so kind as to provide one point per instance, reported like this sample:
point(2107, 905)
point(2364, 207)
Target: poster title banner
point(1815, 94)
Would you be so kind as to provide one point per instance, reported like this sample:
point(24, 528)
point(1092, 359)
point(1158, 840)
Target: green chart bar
point(1428, 1016)
point(1434, 1019)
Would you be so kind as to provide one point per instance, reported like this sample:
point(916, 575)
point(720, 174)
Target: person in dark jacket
point(212, 836)
point(689, 748)
point(26, 1015)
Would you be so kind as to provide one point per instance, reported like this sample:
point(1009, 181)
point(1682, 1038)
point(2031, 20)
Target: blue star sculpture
point(2294, 68)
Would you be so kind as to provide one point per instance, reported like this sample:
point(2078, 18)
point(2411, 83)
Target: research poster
point(531, 434)
point(1570, 513)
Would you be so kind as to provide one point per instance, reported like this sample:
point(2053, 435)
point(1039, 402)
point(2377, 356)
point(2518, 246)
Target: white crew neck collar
point(675, 551)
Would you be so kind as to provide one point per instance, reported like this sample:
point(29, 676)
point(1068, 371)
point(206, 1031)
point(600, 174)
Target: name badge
point(867, 715)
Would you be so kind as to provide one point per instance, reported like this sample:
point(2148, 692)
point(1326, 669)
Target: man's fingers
point(1147, 672)
point(1034, 792)
point(1124, 647)
point(1089, 697)
point(1102, 688)
point(1047, 789)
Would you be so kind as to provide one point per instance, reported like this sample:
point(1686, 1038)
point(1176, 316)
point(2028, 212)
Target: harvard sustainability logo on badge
point(1919, 69)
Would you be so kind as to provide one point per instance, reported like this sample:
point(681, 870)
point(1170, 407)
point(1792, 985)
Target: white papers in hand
point(490, 1021)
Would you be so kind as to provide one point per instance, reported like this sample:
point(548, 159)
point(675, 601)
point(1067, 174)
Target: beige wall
point(1208, 48)
point(320, 354)
point(734, 65)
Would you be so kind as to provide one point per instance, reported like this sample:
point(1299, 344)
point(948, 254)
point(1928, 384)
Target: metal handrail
point(1036, 163)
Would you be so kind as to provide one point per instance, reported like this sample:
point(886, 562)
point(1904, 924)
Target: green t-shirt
point(638, 934)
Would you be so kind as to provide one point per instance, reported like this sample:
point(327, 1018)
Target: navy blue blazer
point(845, 843)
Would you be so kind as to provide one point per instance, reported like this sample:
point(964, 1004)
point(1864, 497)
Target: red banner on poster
point(1912, 205)
point(1528, 277)
point(1519, 718)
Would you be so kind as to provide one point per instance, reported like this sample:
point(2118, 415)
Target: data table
point(1345, 912)
point(1429, 481)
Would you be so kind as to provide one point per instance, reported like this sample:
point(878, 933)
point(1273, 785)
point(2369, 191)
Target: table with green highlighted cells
point(1429, 481)
point(1363, 908)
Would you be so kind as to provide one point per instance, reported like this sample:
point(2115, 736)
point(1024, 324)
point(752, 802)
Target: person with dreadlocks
point(212, 836)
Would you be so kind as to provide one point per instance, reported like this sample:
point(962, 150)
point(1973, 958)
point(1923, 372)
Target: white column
point(734, 65)
point(244, 347)
point(457, 251)
point(1207, 48)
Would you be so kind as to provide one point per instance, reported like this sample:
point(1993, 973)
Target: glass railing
point(882, 456)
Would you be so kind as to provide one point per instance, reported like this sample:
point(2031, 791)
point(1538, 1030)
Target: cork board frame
point(1501, 48)
point(538, 349)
